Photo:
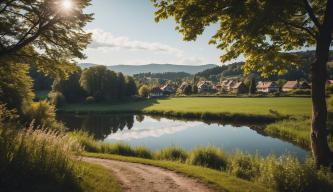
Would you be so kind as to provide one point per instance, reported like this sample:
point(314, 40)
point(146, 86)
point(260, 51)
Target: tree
point(44, 32)
point(15, 86)
point(121, 85)
point(252, 86)
point(263, 32)
point(194, 89)
point(187, 90)
point(131, 88)
point(70, 88)
point(144, 91)
point(100, 83)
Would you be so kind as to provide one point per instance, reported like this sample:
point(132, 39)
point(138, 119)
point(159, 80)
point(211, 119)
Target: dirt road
point(135, 177)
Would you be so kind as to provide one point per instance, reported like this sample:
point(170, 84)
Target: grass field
point(246, 106)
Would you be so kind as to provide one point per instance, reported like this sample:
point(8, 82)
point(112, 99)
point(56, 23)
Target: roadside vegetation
point(284, 173)
point(39, 158)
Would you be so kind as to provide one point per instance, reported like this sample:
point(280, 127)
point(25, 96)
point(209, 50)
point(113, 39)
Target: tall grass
point(172, 153)
point(208, 157)
point(91, 145)
point(294, 130)
point(33, 160)
point(284, 173)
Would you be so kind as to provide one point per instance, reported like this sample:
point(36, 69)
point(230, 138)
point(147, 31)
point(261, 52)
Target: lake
point(158, 132)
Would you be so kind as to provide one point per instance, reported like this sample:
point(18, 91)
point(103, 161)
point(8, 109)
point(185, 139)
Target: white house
point(267, 87)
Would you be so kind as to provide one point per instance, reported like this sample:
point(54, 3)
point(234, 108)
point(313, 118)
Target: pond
point(158, 132)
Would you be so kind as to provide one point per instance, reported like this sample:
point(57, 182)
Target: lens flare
point(67, 4)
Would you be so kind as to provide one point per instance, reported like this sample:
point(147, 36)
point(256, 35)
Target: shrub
point(208, 157)
point(144, 91)
point(90, 99)
point(42, 114)
point(57, 98)
point(301, 92)
point(244, 166)
point(288, 174)
point(172, 153)
point(329, 89)
point(143, 152)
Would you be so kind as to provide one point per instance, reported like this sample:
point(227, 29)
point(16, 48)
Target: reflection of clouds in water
point(149, 132)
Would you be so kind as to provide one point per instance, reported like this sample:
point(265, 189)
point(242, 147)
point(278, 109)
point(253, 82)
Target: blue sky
point(124, 32)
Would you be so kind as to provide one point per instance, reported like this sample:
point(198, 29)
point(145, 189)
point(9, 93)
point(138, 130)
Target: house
point(205, 86)
point(267, 87)
point(238, 88)
point(228, 84)
point(156, 92)
point(168, 89)
point(292, 85)
point(182, 87)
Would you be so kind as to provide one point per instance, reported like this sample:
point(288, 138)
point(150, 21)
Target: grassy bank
point(297, 129)
point(213, 165)
point(226, 109)
point(246, 106)
point(42, 160)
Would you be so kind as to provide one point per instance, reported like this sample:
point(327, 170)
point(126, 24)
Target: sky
point(124, 32)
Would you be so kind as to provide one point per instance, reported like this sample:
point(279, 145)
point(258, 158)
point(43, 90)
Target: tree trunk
point(320, 149)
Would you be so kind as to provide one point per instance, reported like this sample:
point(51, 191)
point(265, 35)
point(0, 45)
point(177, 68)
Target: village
point(233, 87)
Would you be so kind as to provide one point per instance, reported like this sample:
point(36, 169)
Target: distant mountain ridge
point(154, 68)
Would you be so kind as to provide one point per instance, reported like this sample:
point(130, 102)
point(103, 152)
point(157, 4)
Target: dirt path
point(135, 177)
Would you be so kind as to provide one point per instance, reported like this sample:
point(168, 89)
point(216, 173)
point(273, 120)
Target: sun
point(67, 4)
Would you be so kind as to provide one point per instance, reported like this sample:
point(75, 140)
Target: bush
point(172, 153)
point(208, 157)
point(144, 91)
point(329, 89)
point(90, 99)
point(57, 98)
point(300, 92)
point(42, 114)
point(288, 174)
point(143, 152)
point(244, 166)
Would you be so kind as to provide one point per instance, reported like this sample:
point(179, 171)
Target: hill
point(234, 70)
point(154, 68)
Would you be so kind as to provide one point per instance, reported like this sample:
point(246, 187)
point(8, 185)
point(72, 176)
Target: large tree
point(47, 33)
point(263, 31)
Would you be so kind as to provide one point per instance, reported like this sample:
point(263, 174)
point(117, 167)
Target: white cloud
point(103, 39)
point(140, 133)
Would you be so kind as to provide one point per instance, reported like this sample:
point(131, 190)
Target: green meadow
point(246, 106)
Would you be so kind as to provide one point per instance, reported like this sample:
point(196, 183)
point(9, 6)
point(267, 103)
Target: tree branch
point(27, 41)
point(311, 14)
point(311, 33)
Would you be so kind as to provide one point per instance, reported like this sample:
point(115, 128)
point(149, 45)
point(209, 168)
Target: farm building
point(168, 89)
point(292, 85)
point(267, 87)
point(205, 86)
point(228, 84)
point(238, 87)
point(156, 92)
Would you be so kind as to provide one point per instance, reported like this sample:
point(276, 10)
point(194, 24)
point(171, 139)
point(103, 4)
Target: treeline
point(94, 84)
point(301, 72)
point(167, 75)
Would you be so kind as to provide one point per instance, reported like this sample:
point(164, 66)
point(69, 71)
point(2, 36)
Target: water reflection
point(99, 126)
point(157, 132)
